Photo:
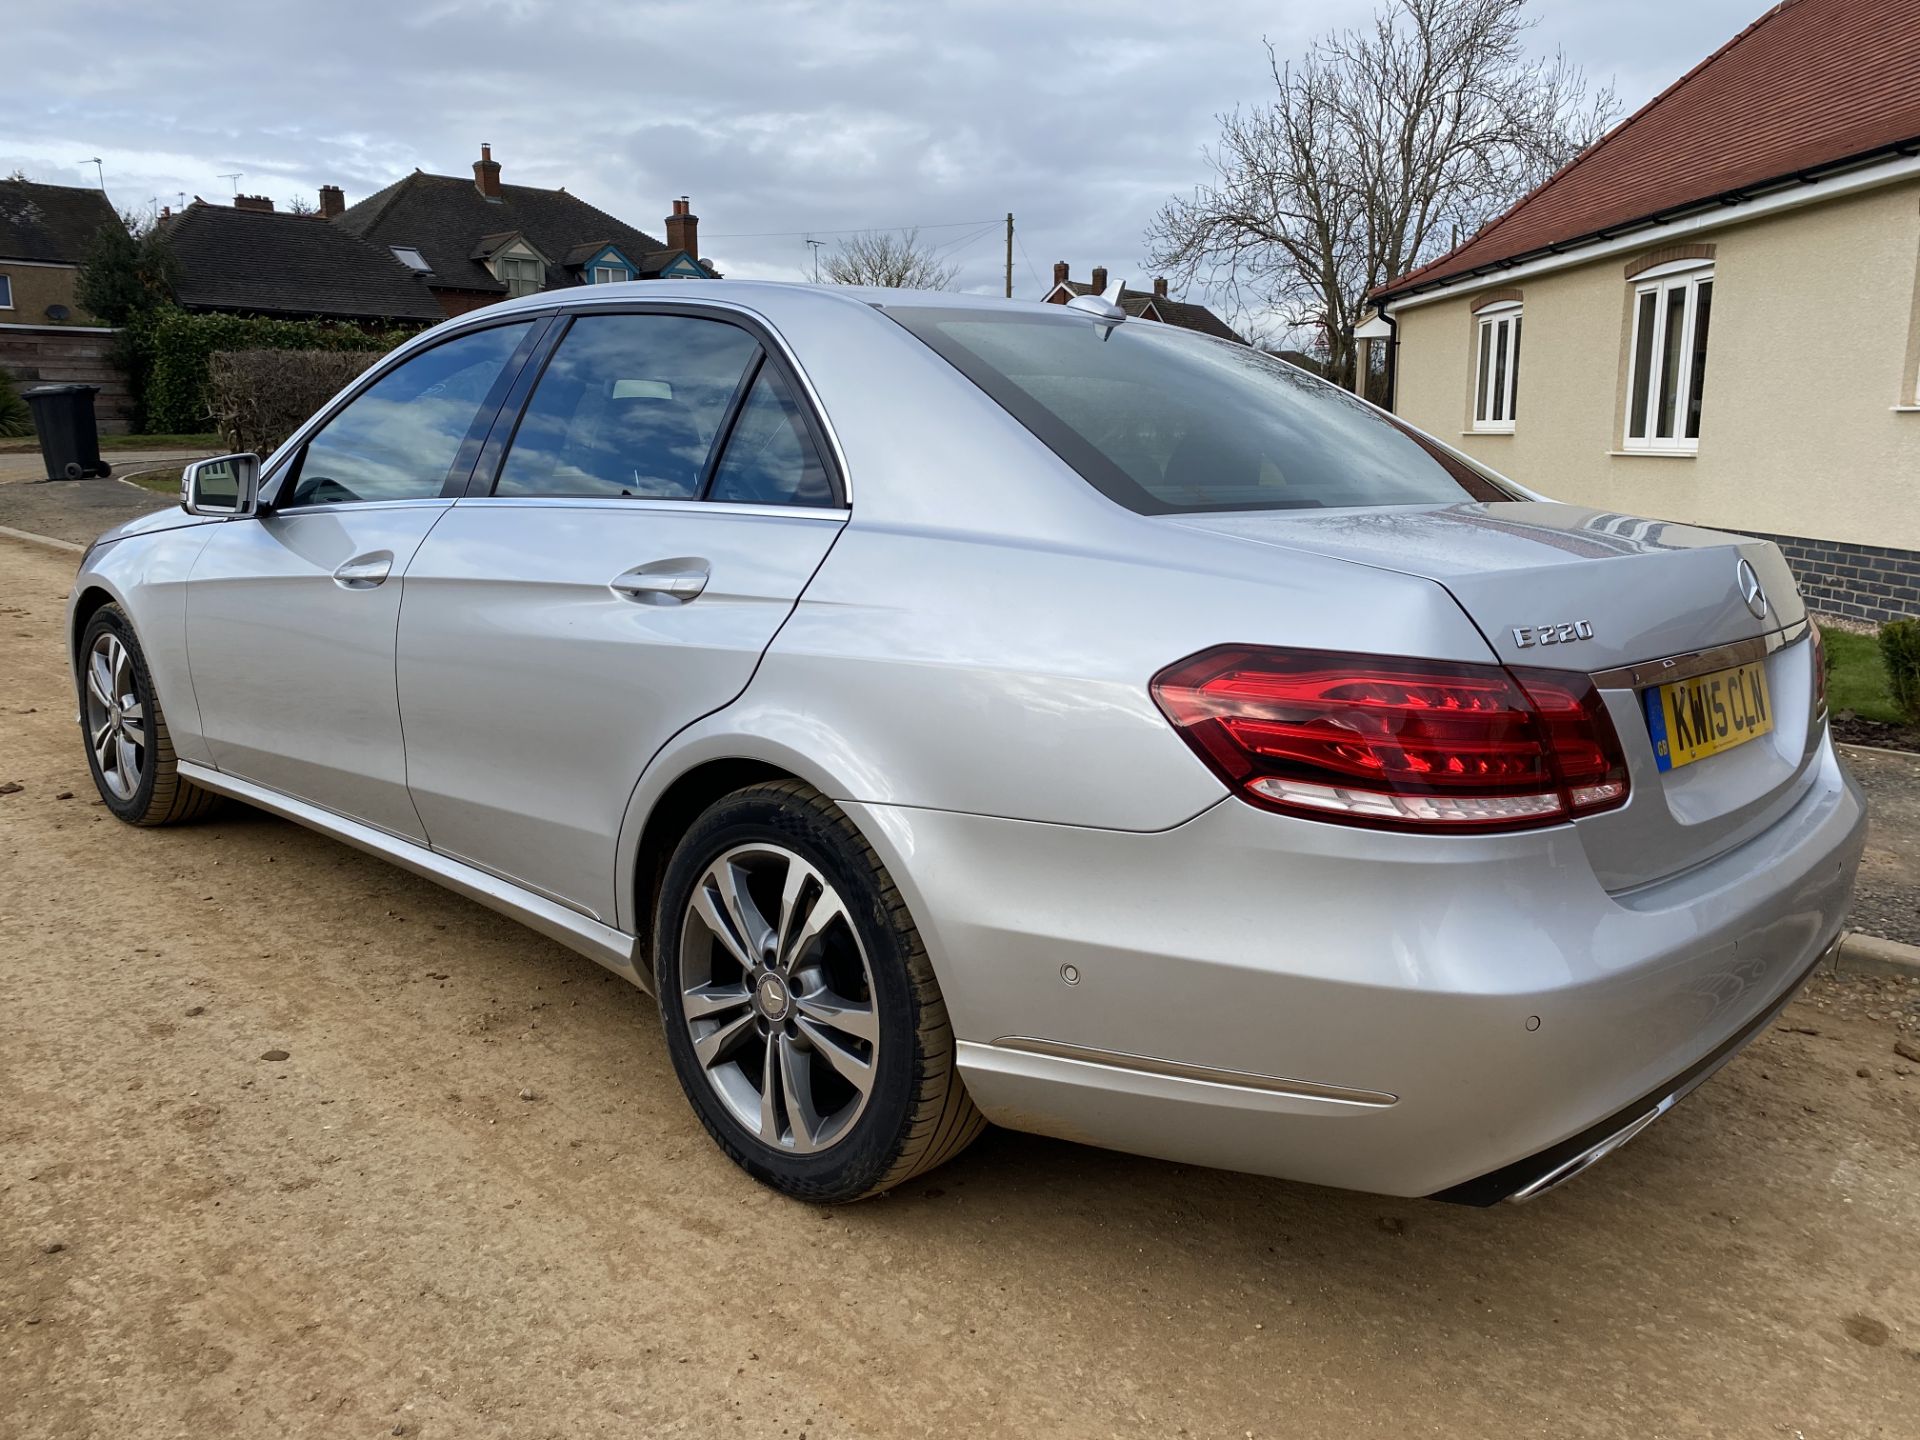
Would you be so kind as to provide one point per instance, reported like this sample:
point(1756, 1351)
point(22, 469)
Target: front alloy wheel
point(116, 717)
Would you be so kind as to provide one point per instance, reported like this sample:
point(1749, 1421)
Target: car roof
point(772, 298)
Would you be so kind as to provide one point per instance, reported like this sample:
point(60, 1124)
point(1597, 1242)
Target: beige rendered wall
point(37, 286)
point(1815, 342)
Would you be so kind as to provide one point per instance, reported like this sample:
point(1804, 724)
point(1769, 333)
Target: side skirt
point(602, 944)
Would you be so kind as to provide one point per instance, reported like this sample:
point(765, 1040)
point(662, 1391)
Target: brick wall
point(1864, 582)
point(51, 354)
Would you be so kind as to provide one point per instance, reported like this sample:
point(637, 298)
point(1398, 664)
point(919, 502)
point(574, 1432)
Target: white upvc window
point(1496, 385)
point(608, 274)
point(521, 274)
point(1667, 361)
point(6, 292)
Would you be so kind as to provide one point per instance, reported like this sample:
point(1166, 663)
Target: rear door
point(644, 533)
point(291, 614)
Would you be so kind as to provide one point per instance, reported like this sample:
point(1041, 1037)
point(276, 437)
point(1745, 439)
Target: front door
point(291, 614)
point(662, 506)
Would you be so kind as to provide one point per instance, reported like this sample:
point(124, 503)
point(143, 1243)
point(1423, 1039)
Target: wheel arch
point(709, 759)
point(89, 600)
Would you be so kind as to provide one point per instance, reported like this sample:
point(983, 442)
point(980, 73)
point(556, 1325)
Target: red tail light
point(1394, 743)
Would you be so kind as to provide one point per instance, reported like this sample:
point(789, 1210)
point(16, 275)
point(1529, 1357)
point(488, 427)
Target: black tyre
point(801, 1011)
point(128, 749)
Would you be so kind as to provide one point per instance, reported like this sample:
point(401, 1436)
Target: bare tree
point(1384, 147)
point(301, 205)
point(894, 258)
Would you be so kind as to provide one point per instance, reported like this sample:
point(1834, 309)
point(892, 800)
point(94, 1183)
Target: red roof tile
point(1809, 83)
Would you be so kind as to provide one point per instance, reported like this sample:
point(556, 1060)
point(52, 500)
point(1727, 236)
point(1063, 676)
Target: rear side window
point(629, 405)
point(770, 458)
point(1164, 421)
point(399, 438)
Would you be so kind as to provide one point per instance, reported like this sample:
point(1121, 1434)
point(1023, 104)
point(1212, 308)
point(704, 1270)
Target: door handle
point(363, 572)
point(663, 582)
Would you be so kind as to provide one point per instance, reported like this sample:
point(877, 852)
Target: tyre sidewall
point(109, 619)
point(856, 1163)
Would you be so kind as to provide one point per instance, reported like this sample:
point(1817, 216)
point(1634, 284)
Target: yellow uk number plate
point(1692, 719)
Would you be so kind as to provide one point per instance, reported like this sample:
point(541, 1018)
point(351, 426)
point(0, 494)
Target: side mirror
point(228, 485)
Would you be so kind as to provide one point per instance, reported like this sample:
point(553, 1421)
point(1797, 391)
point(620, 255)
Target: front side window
point(629, 405)
point(1667, 361)
point(1496, 386)
point(521, 275)
point(399, 438)
point(1164, 421)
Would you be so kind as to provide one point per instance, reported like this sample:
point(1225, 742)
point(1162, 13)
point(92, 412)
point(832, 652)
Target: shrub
point(174, 347)
point(15, 418)
point(1900, 649)
point(260, 397)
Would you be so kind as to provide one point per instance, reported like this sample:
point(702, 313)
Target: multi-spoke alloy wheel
point(777, 995)
point(116, 717)
point(128, 749)
point(802, 1016)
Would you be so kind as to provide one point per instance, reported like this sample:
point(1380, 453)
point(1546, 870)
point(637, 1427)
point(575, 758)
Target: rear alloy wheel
point(801, 1011)
point(128, 748)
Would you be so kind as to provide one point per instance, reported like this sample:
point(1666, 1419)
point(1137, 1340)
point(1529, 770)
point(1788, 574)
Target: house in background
point(1155, 306)
point(253, 260)
point(476, 241)
point(44, 234)
point(46, 336)
point(1721, 309)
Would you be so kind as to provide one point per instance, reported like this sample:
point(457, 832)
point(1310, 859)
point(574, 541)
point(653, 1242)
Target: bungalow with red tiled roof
point(1721, 307)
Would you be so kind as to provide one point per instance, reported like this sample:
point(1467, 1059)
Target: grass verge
point(1858, 681)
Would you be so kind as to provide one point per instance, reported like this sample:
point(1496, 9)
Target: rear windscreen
point(1165, 421)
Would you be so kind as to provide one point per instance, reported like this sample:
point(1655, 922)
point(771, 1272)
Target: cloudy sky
point(775, 115)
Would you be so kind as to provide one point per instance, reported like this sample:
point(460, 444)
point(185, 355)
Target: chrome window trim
point(1700, 662)
point(326, 507)
point(836, 513)
point(1204, 1074)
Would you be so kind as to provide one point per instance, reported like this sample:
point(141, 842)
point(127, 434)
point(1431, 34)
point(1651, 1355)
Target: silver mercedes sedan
point(956, 710)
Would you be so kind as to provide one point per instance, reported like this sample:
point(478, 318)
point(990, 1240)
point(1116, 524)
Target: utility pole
point(1009, 255)
point(816, 244)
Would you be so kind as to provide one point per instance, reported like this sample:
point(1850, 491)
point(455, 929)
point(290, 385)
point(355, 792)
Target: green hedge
point(169, 350)
point(15, 419)
point(1900, 645)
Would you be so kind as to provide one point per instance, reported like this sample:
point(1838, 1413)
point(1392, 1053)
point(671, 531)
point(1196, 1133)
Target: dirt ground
point(377, 1235)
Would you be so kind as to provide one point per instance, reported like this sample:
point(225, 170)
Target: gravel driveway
point(266, 1168)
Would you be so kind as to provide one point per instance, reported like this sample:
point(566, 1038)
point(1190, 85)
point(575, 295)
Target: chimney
point(683, 228)
point(1100, 279)
point(333, 201)
point(253, 202)
point(1160, 288)
point(486, 173)
point(1059, 272)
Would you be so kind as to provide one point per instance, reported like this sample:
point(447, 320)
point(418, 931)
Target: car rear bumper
point(1409, 1015)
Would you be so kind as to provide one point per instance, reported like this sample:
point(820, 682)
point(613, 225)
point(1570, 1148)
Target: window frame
point(6, 292)
point(501, 272)
point(615, 274)
point(772, 351)
point(423, 268)
point(1661, 282)
point(283, 477)
point(1502, 366)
